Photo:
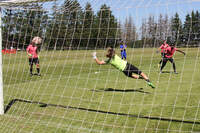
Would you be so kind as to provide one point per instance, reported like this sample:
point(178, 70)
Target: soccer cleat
point(150, 84)
point(175, 72)
point(39, 74)
point(31, 74)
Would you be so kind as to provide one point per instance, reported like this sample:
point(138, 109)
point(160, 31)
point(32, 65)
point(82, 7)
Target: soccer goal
point(99, 66)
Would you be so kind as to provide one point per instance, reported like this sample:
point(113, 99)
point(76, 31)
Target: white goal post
point(18, 2)
point(1, 72)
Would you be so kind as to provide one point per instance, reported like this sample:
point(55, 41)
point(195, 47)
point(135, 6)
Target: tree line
point(172, 29)
point(70, 26)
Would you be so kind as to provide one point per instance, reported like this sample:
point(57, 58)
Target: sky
point(140, 9)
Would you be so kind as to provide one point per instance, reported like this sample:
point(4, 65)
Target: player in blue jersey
point(123, 50)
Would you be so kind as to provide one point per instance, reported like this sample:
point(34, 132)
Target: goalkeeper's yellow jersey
point(117, 62)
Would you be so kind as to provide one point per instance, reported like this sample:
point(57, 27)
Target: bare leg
point(141, 76)
point(144, 76)
point(135, 76)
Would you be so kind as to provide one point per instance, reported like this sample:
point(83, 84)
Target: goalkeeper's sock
point(148, 80)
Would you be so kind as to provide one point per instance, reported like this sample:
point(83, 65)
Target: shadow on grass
point(119, 90)
point(166, 72)
point(41, 104)
point(169, 72)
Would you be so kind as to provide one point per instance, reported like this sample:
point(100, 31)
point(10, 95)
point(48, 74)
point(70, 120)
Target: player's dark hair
point(110, 52)
point(172, 46)
point(32, 43)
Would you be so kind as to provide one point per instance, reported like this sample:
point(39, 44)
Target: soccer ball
point(37, 40)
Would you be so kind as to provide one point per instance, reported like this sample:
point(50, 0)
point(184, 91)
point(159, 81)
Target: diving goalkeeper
point(122, 65)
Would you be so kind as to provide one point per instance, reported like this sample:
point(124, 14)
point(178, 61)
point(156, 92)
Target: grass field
point(82, 96)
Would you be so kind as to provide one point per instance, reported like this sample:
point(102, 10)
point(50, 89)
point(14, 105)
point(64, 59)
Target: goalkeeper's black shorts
point(130, 69)
point(33, 60)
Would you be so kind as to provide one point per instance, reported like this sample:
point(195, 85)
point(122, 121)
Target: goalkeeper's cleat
point(150, 84)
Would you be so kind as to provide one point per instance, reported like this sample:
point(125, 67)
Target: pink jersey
point(32, 50)
point(163, 48)
point(170, 52)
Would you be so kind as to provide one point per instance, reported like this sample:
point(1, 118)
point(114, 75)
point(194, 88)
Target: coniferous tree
point(197, 26)
point(187, 29)
point(107, 27)
point(22, 25)
point(176, 29)
point(88, 27)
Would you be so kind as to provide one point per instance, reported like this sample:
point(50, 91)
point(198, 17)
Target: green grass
point(69, 79)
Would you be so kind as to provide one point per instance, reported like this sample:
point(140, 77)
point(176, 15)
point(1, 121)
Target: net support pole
point(1, 70)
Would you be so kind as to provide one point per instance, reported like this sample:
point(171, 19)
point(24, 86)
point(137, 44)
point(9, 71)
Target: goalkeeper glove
point(94, 55)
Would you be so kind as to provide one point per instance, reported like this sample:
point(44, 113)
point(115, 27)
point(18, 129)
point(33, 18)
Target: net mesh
point(73, 93)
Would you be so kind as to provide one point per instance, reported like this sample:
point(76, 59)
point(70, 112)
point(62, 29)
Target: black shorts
point(130, 69)
point(168, 59)
point(33, 60)
point(163, 55)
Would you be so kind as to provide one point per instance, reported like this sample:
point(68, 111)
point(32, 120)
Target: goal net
point(57, 85)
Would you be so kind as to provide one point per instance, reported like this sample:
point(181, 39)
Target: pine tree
point(107, 27)
point(187, 29)
point(176, 29)
point(197, 26)
point(22, 25)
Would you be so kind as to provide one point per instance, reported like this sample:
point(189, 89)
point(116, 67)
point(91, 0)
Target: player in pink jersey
point(168, 56)
point(32, 52)
point(163, 51)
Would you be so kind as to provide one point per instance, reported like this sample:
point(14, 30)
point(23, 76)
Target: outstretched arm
point(181, 51)
point(97, 60)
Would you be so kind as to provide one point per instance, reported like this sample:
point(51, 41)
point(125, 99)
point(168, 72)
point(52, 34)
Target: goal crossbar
point(20, 2)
